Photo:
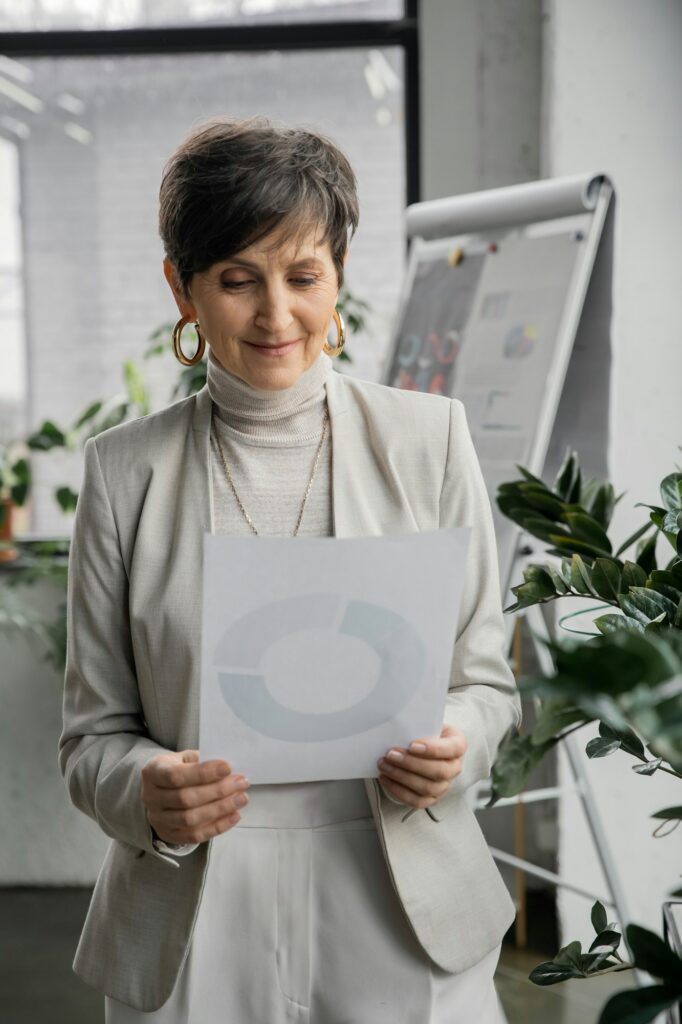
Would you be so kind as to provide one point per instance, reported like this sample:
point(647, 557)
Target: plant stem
point(623, 966)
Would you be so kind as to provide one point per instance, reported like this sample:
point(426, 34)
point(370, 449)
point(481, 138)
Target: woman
point(321, 901)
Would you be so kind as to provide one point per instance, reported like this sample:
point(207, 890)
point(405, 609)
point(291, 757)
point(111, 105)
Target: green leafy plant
point(93, 419)
point(649, 953)
point(15, 477)
point(37, 560)
point(646, 601)
point(627, 679)
point(573, 519)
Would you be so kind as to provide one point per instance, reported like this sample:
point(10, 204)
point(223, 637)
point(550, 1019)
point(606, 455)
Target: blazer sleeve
point(104, 742)
point(483, 700)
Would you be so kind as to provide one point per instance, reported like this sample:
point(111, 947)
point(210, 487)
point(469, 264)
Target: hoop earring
point(177, 347)
point(341, 339)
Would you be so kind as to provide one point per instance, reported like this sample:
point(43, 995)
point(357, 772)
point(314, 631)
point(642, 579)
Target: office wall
point(481, 72)
point(612, 82)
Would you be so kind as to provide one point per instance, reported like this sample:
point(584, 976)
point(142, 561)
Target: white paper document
point(320, 653)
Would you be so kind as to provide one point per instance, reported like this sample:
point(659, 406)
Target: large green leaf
point(668, 813)
point(567, 482)
point(66, 499)
point(560, 585)
point(628, 739)
point(607, 579)
point(581, 577)
point(570, 954)
point(587, 529)
point(538, 586)
point(640, 601)
point(671, 491)
point(653, 955)
point(533, 479)
point(89, 413)
point(48, 436)
point(609, 623)
point(600, 746)
point(516, 759)
point(598, 917)
point(601, 507)
point(551, 973)
point(543, 529)
point(564, 543)
point(633, 575)
point(22, 481)
point(553, 718)
point(646, 554)
point(639, 1005)
point(541, 499)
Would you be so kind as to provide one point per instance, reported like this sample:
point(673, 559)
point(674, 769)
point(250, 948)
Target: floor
point(39, 929)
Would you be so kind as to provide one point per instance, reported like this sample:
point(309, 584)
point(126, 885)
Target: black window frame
point(402, 32)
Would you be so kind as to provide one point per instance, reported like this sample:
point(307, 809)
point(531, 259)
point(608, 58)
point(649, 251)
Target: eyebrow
point(306, 262)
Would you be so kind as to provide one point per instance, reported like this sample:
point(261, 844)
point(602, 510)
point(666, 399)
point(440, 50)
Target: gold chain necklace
point(307, 490)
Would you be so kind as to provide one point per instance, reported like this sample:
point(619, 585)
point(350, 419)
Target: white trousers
point(299, 924)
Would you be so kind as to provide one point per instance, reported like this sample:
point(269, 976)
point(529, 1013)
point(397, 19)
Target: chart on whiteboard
point(510, 341)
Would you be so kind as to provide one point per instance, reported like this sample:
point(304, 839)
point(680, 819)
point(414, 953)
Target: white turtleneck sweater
point(270, 440)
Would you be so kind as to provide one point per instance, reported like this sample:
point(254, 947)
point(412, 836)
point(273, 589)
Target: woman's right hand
point(188, 801)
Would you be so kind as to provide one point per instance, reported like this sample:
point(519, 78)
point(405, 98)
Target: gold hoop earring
point(341, 339)
point(177, 347)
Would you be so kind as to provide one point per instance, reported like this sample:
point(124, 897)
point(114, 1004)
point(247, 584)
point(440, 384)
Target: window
point(44, 15)
point(90, 136)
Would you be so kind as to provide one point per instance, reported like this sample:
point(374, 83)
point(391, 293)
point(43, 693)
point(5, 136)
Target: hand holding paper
point(421, 775)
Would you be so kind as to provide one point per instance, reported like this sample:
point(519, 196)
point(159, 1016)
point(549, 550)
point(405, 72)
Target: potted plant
point(627, 678)
point(15, 482)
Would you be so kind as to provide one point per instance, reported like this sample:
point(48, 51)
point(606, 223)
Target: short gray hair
point(230, 182)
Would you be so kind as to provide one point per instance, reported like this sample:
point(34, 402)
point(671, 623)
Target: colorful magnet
point(455, 257)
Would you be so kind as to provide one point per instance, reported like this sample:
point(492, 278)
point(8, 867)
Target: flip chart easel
point(507, 307)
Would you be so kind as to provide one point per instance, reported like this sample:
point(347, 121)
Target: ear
point(170, 273)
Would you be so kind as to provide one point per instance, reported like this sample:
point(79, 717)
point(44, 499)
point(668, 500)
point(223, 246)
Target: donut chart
point(238, 654)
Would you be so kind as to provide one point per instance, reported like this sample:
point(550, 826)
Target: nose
point(273, 312)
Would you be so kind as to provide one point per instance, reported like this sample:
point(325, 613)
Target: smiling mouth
point(273, 349)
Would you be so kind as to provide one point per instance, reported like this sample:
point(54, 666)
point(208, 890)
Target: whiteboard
point(494, 314)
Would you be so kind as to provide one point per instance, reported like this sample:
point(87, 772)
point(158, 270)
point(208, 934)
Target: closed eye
point(303, 282)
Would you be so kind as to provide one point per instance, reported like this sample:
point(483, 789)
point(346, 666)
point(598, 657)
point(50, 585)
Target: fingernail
point(241, 800)
point(395, 755)
point(418, 748)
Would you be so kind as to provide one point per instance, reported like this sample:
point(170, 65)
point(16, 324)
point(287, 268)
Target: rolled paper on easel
point(527, 203)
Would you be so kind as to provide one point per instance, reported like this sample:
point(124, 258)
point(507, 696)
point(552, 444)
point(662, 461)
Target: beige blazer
point(402, 462)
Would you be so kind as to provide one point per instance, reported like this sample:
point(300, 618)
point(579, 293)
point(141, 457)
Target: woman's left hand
point(422, 777)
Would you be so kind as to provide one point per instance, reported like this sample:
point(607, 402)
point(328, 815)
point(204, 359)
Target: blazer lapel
point(367, 498)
